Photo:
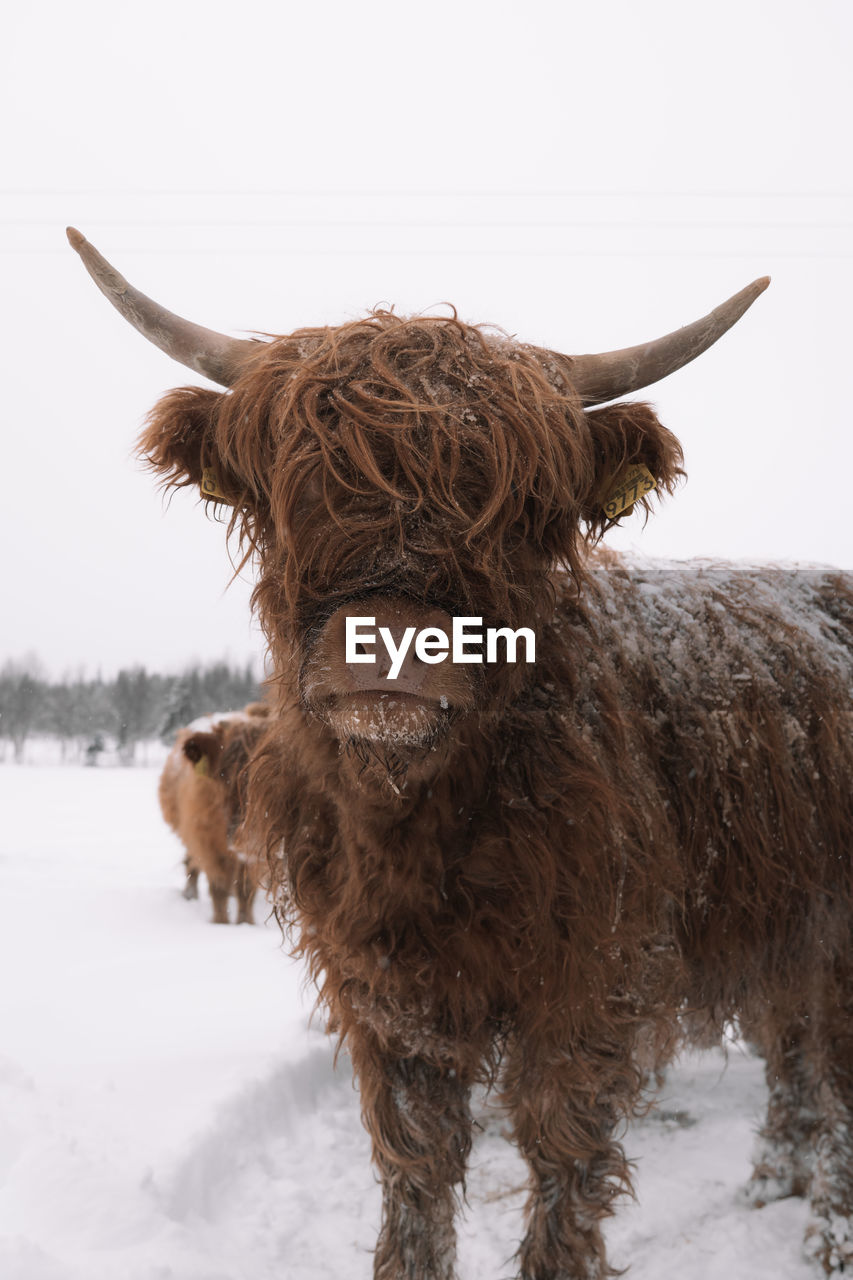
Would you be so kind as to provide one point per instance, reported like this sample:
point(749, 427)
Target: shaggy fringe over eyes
point(422, 455)
point(404, 439)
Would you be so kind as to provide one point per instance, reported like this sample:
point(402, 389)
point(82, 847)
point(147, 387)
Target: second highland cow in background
point(202, 801)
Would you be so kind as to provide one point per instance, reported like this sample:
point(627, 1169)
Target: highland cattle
point(201, 796)
point(527, 874)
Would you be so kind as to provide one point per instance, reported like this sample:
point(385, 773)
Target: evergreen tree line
point(91, 716)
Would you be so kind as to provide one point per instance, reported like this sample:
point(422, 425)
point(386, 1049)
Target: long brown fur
point(202, 798)
point(536, 873)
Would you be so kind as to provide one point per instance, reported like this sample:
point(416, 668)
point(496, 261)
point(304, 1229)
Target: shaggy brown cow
point(201, 796)
point(523, 872)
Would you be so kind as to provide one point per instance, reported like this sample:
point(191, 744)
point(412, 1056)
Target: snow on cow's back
point(705, 620)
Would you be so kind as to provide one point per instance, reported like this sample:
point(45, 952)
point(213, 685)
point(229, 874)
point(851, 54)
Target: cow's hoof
point(829, 1241)
point(766, 1186)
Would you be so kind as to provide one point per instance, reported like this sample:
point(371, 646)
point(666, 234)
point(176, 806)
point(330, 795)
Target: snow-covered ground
point(167, 1112)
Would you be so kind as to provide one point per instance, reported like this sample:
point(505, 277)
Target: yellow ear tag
point(634, 483)
point(202, 767)
point(210, 486)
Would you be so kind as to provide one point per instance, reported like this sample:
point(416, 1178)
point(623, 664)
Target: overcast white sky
point(586, 176)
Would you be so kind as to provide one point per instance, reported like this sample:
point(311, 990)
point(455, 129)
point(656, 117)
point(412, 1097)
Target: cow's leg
point(191, 887)
point(218, 864)
point(220, 878)
point(829, 1237)
point(565, 1105)
point(245, 890)
point(418, 1118)
point(784, 1153)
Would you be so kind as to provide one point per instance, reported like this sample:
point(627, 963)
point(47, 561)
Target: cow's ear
point(179, 442)
point(632, 449)
point(200, 749)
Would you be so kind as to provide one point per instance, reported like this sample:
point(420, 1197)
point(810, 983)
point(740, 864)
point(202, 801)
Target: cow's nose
point(395, 651)
point(411, 670)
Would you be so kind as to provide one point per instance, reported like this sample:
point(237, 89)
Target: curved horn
point(211, 354)
point(616, 373)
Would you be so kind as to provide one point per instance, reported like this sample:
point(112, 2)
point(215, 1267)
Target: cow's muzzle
point(365, 677)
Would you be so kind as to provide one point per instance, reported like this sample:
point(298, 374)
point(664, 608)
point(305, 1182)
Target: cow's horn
point(214, 355)
point(611, 374)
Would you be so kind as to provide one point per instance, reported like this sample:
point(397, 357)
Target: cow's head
point(408, 470)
